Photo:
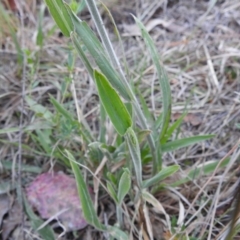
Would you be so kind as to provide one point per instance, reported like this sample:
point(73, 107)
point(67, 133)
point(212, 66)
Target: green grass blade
point(134, 149)
point(115, 28)
point(9, 165)
point(9, 130)
point(103, 130)
point(185, 142)
point(60, 109)
point(40, 34)
point(162, 76)
point(81, 53)
point(205, 169)
point(81, 6)
point(172, 128)
point(25, 147)
point(45, 232)
point(164, 173)
point(43, 138)
point(60, 16)
point(83, 130)
point(89, 212)
point(6, 19)
point(95, 48)
point(113, 104)
point(112, 192)
point(149, 116)
point(124, 185)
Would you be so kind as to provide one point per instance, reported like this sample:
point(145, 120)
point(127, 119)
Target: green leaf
point(9, 165)
point(113, 104)
point(43, 137)
point(142, 135)
point(89, 212)
point(112, 192)
point(162, 76)
point(61, 109)
point(95, 153)
point(201, 170)
point(118, 234)
point(60, 16)
point(134, 150)
point(45, 232)
point(39, 109)
point(124, 185)
point(164, 173)
point(9, 130)
point(185, 142)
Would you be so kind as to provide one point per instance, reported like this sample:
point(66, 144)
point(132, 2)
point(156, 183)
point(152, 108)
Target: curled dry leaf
point(55, 195)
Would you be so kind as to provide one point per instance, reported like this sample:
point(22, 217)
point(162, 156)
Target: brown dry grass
point(199, 45)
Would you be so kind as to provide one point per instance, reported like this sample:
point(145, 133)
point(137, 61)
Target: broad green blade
point(95, 48)
point(134, 150)
point(89, 212)
point(164, 173)
point(162, 76)
point(60, 16)
point(124, 185)
point(45, 232)
point(113, 104)
point(117, 234)
point(185, 142)
point(205, 169)
point(39, 109)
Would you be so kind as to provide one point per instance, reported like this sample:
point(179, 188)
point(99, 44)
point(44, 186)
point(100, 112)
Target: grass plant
point(124, 156)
